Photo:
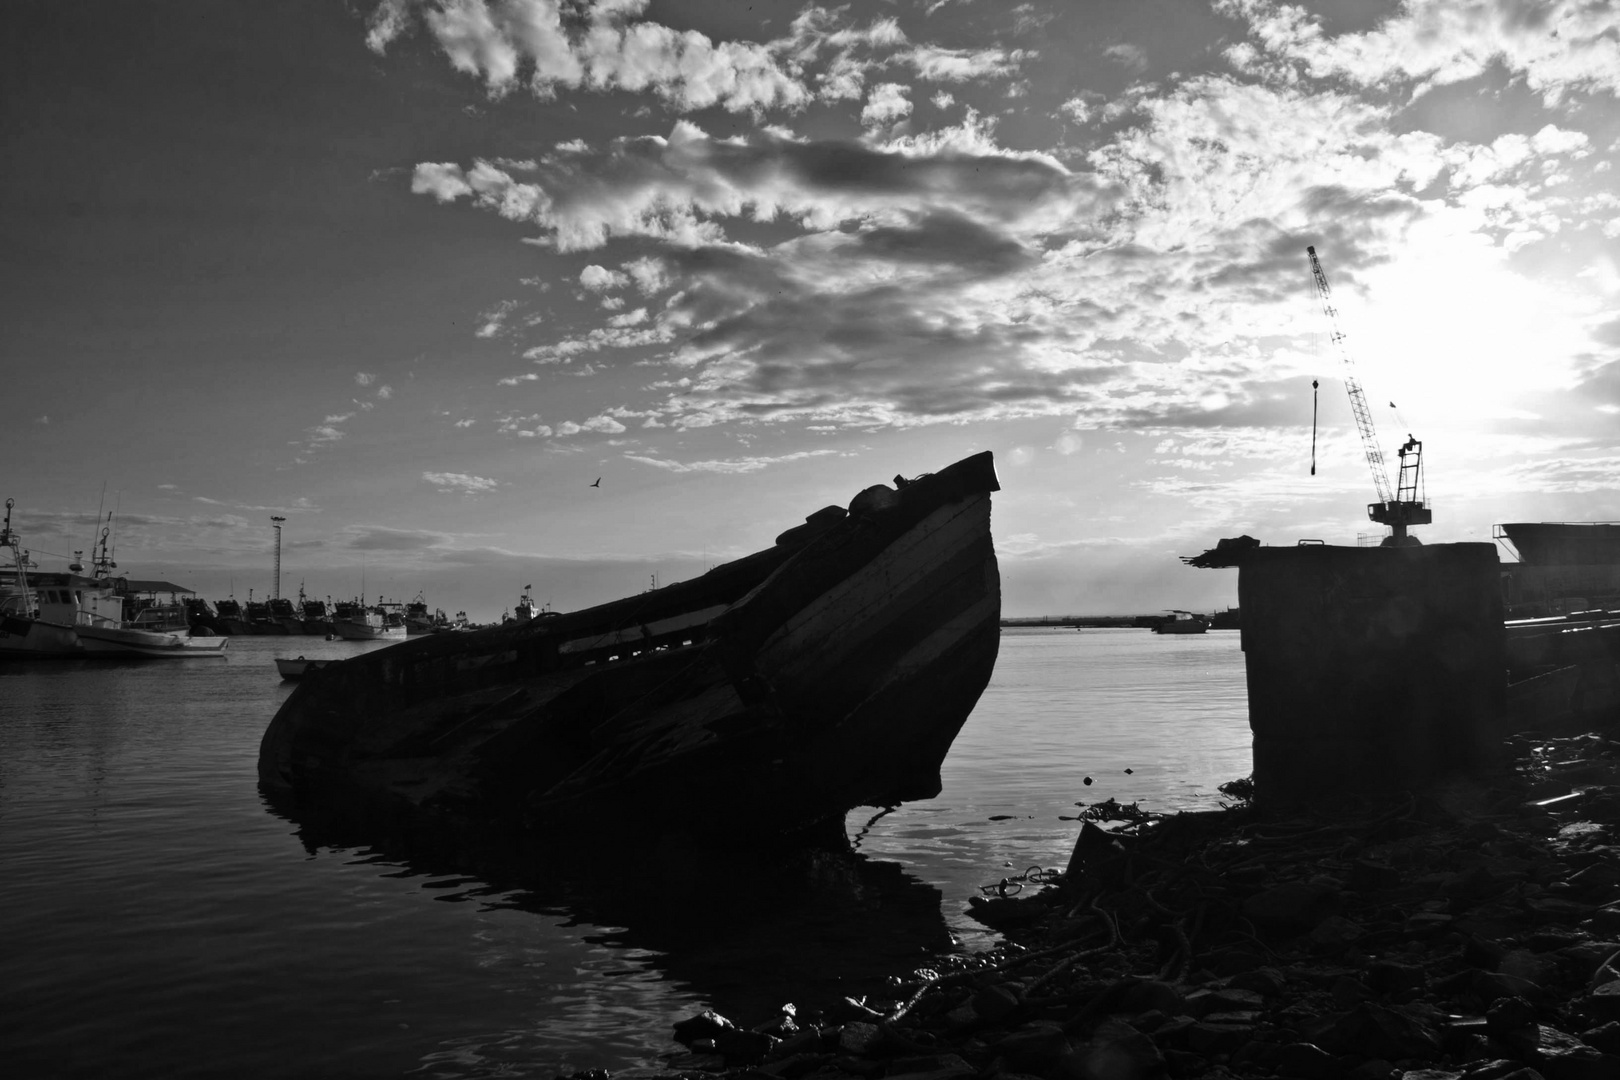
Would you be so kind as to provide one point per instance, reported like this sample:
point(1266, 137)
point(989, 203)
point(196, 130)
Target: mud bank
point(1470, 932)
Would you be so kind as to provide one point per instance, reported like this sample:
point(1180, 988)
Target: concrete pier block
point(1371, 669)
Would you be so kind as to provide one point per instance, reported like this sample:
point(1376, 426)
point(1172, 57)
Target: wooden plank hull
point(767, 698)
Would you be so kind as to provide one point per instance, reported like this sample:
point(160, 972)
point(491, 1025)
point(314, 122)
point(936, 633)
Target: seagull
point(597, 482)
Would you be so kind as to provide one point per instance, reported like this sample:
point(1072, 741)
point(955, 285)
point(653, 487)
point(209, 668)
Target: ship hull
point(763, 700)
point(31, 639)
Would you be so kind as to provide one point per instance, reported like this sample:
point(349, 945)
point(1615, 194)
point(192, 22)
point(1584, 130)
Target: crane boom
point(1397, 509)
point(1358, 399)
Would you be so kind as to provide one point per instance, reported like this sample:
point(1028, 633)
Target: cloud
point(462, 482)
point(1560, 47)
point(601, 279)
point(493, 320)
point(730, 466)
point(886, 104)
point(383, 538)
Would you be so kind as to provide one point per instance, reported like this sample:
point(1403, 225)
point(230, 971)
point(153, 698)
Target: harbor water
point(158, 919)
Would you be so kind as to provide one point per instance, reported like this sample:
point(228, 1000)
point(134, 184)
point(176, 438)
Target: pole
point(278, 520)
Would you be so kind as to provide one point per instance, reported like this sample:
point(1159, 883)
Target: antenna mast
point(277, 526)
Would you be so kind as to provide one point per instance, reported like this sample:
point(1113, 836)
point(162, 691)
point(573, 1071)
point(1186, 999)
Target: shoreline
point(1473, 931)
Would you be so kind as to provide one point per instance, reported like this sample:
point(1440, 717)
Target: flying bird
point(597, 482)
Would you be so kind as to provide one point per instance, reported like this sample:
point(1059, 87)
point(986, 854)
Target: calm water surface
point(156, 919)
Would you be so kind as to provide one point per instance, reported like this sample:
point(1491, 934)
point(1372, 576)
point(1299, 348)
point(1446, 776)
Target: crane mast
point(1404, 506)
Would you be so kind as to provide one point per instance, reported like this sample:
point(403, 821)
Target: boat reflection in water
point(743, 931)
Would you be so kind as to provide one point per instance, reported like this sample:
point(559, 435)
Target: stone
point(1293, 905)
point(1265, 981)
point(994, 1003)
point(1033, 1049)
point(1224, 999)
point(1152, 994)
point(1390, 977)
point(1336, 933)
point(749, 1045)
point(1117, 1050)
point(1604, 1037)
point(1377, 1032)
point(1207, 1038)
point(859, 1037)
point(702, 1026)
point(1307, 1061)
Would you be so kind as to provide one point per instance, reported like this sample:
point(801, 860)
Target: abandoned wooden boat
point(766, 698)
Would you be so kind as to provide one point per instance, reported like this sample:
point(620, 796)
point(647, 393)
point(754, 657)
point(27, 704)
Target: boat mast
point(10, 539)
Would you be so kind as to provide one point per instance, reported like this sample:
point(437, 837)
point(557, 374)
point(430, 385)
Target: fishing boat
point(359, 622)
point(759, 702)
point(1182, 622)
point(154, 627)
point(24, 634)
point(71, 614)
point(295, 667)
point(229, 617)
point(317, 617)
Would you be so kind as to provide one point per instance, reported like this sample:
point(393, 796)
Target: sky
point(412, 274)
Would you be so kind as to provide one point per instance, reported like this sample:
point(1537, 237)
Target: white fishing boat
point(357, 622)
point(69, 614)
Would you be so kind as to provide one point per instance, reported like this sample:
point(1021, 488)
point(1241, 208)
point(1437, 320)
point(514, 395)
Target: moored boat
point(70, 614)
point(1563, 567)
point(1182, 622)
point(762, 700)
point(359, 622)
point(229, 617)
point(296, 667)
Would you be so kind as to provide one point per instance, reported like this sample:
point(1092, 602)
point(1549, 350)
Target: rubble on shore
point(1473, 932)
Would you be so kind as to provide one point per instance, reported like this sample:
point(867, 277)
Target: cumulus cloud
point(465, 483)
point(886, 104)
point(601, 279)
point(1559, 47)
point(1151, 276)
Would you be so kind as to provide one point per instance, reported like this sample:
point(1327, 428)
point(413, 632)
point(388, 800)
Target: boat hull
point(298, 667)
point(351, 631)
point(31, 639)
point(173, 645)
point(763, 700)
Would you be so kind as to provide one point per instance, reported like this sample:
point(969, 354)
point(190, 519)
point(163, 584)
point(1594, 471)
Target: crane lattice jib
point(1358, 400)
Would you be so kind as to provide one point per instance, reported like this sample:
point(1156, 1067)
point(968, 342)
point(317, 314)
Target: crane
point(1404, 506)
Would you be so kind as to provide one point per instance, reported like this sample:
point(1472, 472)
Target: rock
point(1387, 977)
point(1335, 933)
point(1307, 1061)
point(1605, 1037)
point(1377, 1032)
point(994, 1003)
point(859, 1037)
point(1265, 981)
point(1293, 905)
point(1205, 1037)
point(1033, 1049)
point(746, 1045)
point(1372, 1069)
point(1117, 1050)
point(1226, 999)
point(1152, 994)
point(702, 1026)
point(931, 1067)
point(1604, 1000)
point(1502, 1069)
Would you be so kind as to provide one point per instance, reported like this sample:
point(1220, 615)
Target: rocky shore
point(1471, 932)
